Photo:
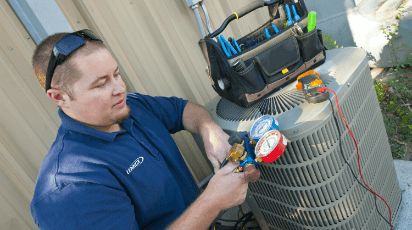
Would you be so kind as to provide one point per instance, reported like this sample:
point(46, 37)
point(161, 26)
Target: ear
point(59, 97)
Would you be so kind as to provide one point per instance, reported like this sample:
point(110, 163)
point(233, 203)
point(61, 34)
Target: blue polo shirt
point(132, 179)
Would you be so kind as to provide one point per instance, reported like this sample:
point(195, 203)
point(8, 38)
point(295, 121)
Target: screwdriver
point(295, 13)
point(289, 15)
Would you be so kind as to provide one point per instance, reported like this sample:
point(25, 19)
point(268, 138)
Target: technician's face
point(99, 96)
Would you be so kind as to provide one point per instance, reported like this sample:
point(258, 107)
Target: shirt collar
point(76, 126)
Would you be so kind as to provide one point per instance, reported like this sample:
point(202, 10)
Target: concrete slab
point(376, 72)
point(404, 174)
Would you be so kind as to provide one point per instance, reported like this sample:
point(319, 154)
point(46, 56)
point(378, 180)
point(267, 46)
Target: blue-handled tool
point(220, 38)
point(267, 34)
point(229, 46)
point(289, 21)
point(235, 44)
point(295, 14)
point(275, 28)
point(226, 46)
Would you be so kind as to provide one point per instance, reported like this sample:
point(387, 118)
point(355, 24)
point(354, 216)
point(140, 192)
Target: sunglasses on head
point(64, 48)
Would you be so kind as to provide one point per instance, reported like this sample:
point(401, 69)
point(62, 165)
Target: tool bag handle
point(242, 12)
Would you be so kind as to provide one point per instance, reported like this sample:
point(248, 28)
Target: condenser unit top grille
point(276, 104)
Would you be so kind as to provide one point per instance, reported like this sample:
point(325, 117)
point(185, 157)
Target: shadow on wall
point(398, 50)
point(332, 19)
point(380, 27)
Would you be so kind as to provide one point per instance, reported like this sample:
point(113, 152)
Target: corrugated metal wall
point(155, 42)
point(27, 122)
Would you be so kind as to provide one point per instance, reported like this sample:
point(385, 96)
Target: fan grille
point(279, 102)
point(275, 104)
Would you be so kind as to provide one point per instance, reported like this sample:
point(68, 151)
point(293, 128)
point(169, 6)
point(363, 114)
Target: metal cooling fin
point(275, 104)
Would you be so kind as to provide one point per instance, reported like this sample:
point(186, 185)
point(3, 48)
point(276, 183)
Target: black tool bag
point(263, 64)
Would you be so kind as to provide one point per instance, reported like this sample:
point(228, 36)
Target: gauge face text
point(263, 125)
point(267, 143)
point(262, 128)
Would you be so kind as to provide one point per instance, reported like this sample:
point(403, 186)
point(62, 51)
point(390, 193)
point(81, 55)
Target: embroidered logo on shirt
point(134, 165)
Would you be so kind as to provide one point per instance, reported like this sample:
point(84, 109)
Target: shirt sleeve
point(85, 206)
point(169, 110)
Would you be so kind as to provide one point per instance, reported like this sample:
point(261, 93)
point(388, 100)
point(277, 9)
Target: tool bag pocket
point(311, 44)
point(279, 59)
point(226, 81)
point(251, 79)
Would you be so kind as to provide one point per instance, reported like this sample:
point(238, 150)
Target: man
point(114, 164)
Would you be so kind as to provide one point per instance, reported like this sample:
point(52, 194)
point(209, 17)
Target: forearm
point(196, 119)
point(199, 215)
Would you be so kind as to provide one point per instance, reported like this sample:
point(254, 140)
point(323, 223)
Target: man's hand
point(216, 144)
point(226, 189)
point(197, 120)
point(251, 173)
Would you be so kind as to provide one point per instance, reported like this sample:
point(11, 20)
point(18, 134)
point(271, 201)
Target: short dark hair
point(66, 73)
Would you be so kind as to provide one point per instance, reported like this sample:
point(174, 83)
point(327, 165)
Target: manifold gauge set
point(270, 143)
point(264, 143)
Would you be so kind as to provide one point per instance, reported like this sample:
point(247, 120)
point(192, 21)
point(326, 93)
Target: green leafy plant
point(395, 98)
point(329, 42)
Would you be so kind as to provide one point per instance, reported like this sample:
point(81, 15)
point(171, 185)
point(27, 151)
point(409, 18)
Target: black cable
point(246, 220)
point(350, 168)
point(222, 27)
point(242, 221)
point(247, 216)
point(227, 220)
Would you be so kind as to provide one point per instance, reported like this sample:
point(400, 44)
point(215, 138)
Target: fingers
point(251, 174)
point(225, 152)
point(216, 161)
point(229, 167)
point(215, 165)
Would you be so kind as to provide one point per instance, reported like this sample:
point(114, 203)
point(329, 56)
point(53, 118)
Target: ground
point(403, 171)
point(393, 87)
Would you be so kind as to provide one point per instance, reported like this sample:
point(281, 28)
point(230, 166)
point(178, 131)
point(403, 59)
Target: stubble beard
point(123, 116)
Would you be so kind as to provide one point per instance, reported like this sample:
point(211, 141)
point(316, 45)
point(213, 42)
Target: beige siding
point(28, 123)
point(155, 42)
